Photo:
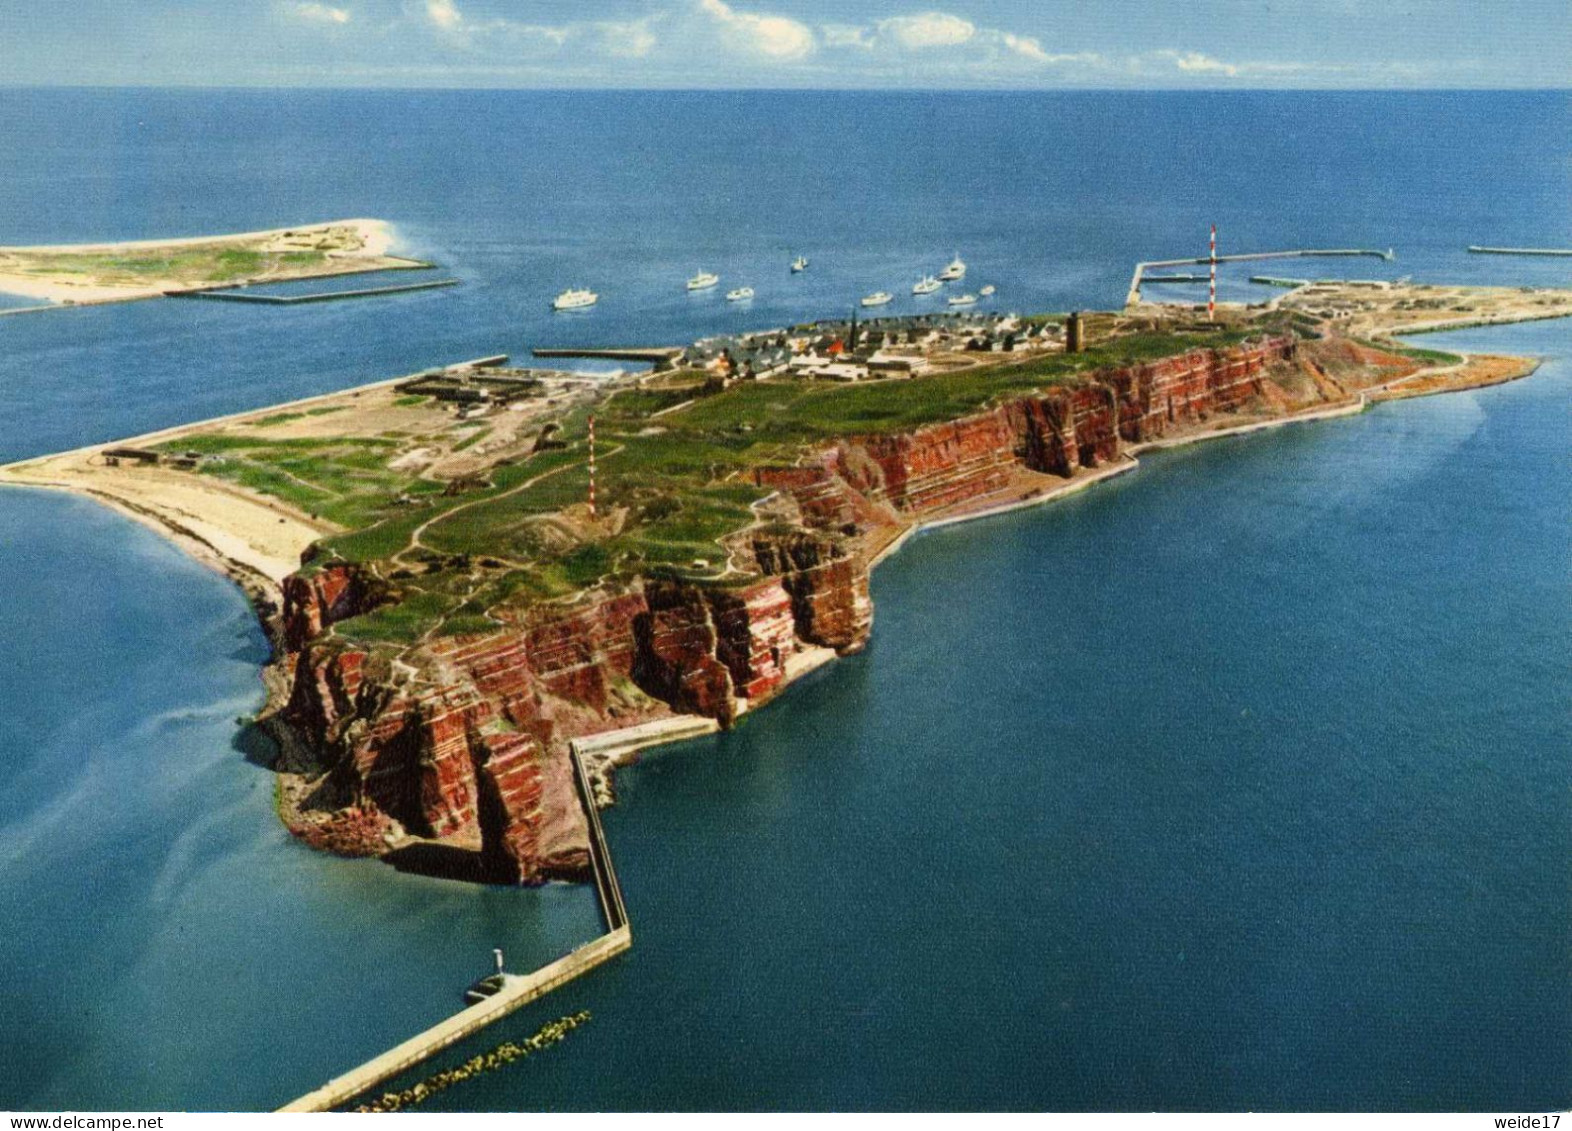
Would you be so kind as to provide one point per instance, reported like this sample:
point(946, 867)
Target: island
point(81, 274)
point(478, 577)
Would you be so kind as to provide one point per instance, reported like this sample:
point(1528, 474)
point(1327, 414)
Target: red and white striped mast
point(592, 466)
point(1211, 291)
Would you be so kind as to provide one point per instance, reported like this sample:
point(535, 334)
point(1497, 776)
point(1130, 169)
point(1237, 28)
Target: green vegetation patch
point(1433, 357)
point(346, 481)
point(675, 486)
point(404, 622)
point(195, 265)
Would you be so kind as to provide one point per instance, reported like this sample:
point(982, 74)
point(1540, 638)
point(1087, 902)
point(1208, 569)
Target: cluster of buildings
point(858, 350)
point(477, 387)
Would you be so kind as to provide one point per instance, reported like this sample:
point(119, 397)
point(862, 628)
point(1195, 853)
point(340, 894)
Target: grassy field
point(345, 481)
point(1432, 357)
point(669, 488)
point(196, 265)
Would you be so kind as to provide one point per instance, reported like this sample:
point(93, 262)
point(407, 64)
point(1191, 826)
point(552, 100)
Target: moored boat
point(877, 298)
point(926, 285)
point(575, 298)
point(955, 271)
point(741, 294)
point(963, 300)
point(799, 264)
point(988, 290)
point(703, 281)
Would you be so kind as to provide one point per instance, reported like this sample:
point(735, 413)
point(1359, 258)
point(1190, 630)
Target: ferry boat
point(575, 298)
point(799, 264)
point(926, 285)
point(703, 281)
point(963, 300)
point(988, 290)
point(954, 272)
point(877, 298)
point(741, 294)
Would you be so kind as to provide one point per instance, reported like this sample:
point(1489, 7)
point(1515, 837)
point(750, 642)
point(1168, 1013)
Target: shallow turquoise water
point(1239, 782)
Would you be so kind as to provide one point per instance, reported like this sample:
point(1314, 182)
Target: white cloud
point(951, 45)
point(772, 37)
point(1193, 62)
point(928, 29)
point(1199, 64)
point(445, 14)
point(1027, 47)
point(321, 13)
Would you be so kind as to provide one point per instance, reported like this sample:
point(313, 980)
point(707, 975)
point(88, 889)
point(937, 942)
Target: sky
point(925, 44)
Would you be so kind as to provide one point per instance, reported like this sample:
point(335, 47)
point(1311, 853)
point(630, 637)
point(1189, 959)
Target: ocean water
point(1236, 783)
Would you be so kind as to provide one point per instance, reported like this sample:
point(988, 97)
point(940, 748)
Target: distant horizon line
point(586, 89)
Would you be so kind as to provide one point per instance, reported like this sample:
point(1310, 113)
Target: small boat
point(703, 281)
point(877, 298)
point(954, 272)
point(799, 264)
point(988, 290)
point(575, 298)
point(963, 300)
point(741, 294)
point(480, 990)
point(926, 285)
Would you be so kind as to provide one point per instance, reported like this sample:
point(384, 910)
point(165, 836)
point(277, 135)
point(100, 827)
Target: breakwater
point(1133, 296)
point(653, 355)
point(238, 295)
point(1477, 250)
point(500, 1057)
point(516, 990)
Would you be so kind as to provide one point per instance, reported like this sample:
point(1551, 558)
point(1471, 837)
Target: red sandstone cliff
point(462, 739)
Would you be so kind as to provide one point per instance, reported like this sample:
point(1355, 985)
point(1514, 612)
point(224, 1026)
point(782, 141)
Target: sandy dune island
point(78, 274)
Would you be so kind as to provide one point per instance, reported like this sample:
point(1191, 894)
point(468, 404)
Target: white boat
point(877, 298)
point(926, 285)
point(575, 298)
point(703, 281)
point(988, 290)
point(954, 272)
point(799, 264)
point(741, 294)
point(963, 300)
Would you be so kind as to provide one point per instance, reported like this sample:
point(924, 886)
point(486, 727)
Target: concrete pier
point(1477, 250)
point(653, 355)
point(233, 295)
point(1133, 296)
point(517, 990)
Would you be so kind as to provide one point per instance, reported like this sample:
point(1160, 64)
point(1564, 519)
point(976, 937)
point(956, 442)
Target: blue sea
point(1237, 783)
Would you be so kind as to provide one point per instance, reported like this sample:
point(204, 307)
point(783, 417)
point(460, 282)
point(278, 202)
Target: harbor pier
point(517, 990)
point(234, 294)
point(1133, 297)
point(658, 356)
point(1477, 250)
